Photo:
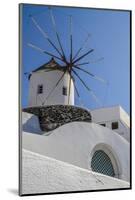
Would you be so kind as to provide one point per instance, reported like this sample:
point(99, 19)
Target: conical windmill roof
point(52, 64)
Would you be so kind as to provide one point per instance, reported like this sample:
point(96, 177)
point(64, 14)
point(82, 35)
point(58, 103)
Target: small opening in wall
point(40, 89)
point(115, 125)
point(64, 91)
point(103, 124)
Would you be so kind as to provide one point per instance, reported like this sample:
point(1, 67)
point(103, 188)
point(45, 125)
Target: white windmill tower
point(49, 85)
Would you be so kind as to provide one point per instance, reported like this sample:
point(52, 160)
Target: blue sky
point(110, 38)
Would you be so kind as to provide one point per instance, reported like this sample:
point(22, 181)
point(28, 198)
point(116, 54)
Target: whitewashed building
point(96, 154)
point(114, 118)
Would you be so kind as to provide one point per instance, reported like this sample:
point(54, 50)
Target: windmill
point(70, 65)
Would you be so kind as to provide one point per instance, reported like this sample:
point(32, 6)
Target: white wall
point(49, 80)
point(124, 117)
point(105, 114)
point(109, 115)
point(42, 174)
point(74, 143)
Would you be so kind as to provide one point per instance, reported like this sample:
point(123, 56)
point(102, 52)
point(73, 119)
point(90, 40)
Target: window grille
point(101, 163)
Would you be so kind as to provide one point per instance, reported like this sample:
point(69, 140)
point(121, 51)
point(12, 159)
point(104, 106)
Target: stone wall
point(51, 117)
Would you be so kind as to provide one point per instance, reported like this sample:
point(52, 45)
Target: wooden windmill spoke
point(90, 62)
point(57, 83)
point(69, 90)
point(71, 65)
point(43, 51)
point(81, 79)
point(79, 64)
point(81, 57)
point(95, 97)
point(90, 90)
point(56, 32)
point(79, 97)
point(80, 49)
point(94, 76)
point(77, 92)
point(71, 42)
point(46, 36)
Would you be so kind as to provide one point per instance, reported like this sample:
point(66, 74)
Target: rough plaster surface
point(44, 175)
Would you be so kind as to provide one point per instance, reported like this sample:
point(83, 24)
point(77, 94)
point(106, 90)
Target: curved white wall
point(75, 143)
point(49, 80)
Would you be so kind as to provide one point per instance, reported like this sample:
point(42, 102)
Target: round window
point(101, 163)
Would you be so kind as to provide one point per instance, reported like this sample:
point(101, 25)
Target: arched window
point(101, 163)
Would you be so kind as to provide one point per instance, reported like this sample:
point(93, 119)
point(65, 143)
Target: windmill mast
point(64, 83)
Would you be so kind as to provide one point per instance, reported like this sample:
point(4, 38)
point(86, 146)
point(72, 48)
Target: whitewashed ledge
point(43, 174)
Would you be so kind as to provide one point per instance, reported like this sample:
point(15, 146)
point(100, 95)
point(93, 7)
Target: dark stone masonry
point(52, 116)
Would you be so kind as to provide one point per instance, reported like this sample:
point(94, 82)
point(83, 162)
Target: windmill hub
point(69, 67)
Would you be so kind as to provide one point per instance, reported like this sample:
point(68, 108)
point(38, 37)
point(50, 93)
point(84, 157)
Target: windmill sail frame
point(70, 66)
